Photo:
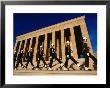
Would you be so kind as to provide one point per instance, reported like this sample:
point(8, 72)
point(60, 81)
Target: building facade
point(72, 30)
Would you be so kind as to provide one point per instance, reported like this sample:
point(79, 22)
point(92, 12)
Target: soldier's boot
point(86, 68)
point(78, 65)
point(33, 68)
point(36, 69)
point(45, 66)
point(50, 69)
point(65, 69)
point(61, 64)
point(16, 69)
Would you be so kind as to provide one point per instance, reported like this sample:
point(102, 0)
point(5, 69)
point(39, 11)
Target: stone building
point(72, 30)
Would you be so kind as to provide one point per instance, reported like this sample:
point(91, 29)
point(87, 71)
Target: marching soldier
point(68, 52)
point(19, 59)
point(15, 56)
point(40, 57)
point(29, 58)
point(52, 56)
point(87, 54)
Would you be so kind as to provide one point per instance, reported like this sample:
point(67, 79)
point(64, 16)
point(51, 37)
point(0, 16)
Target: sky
point(28, 22)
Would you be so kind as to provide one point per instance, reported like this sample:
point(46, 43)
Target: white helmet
point(52, 44)
point(84, 38)
point(30, 49)
point(40, 45)
point(67, 42)
point(21, 50)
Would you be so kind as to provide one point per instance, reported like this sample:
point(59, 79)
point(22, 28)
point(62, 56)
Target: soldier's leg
point(95, 61)
point(14, 64)
point(44, 61)
point(32, 63)
point(27, 63)
point(66, 62)
point(21, 63)
point(86, 61)
point(51, 62)
point(58, 59)
point(93, 58)
point(38, 62)
point(73, 60)
point(17, 64)
point(30, 60)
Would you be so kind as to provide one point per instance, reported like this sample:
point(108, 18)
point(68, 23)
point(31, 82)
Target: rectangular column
point(63, 46)
point(30, 44)
point(73, 44)
point(19, 47)
point(45, 46)
point(24, 50)
point(53, 38)
point(58, 48)
point(35, 51)
point(85, 33)
point(49, 50)
point(15, 45)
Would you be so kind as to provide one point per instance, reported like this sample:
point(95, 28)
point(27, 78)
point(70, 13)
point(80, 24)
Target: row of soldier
point(29, 56)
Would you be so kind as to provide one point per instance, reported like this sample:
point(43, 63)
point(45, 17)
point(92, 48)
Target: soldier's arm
point(43, 53)
point(54, 50)
point(71, 50)
point(23, 55)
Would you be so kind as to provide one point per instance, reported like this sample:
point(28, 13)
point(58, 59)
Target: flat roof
point(51, 26)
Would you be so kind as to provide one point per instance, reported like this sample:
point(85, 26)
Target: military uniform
point(85, 51)
point(19, 59)
point(68, 55)
point(40, 57)
point(52, 56)
point(15, 56)
point(29, 58)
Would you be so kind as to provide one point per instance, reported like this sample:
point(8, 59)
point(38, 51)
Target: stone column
point(58, 48)
point(45, 46)
point(73, 44)
point(19, 47)
point(15, 45)
point(85, 33)
point(35, 51)
point(63, 46)
point(30, 43)
point(53, 38)
point(24, 49)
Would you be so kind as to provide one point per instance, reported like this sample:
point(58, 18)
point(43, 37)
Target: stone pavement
point(40, 72)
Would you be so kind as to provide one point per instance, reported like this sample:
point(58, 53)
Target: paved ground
point(34, 72)
point(73, 70)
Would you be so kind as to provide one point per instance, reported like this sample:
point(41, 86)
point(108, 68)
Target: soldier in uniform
point(15, 56)
point(87, 54)
point(53, 56)
point(19, 59)
point(68, 52)
point(40, 57)
point(29, 58)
